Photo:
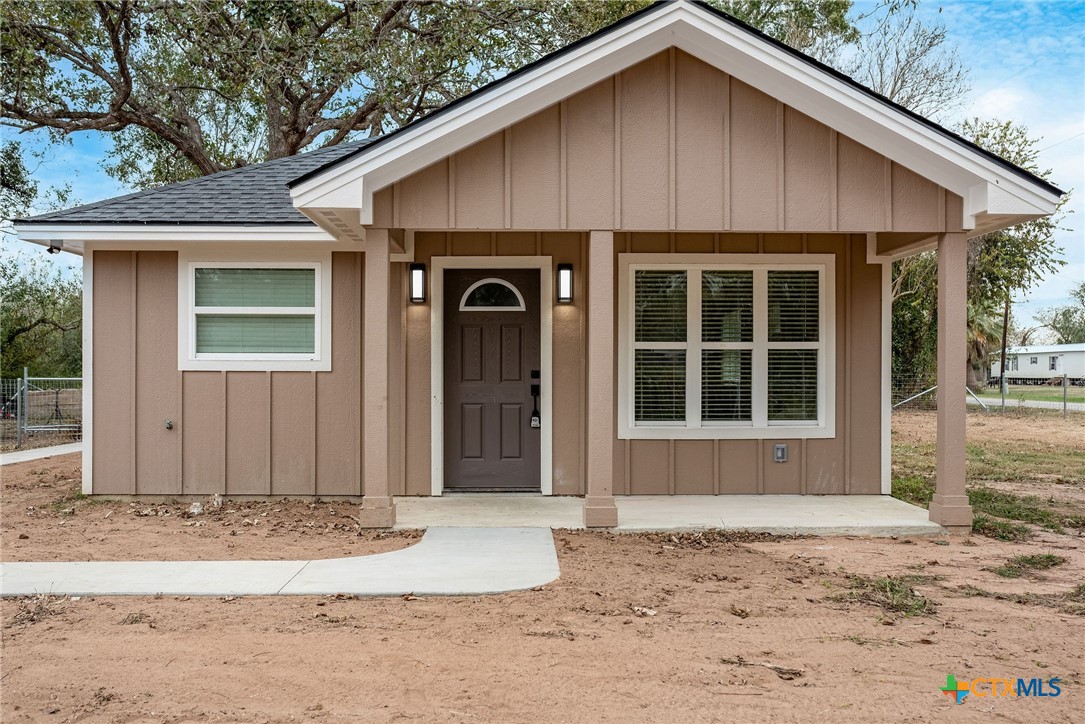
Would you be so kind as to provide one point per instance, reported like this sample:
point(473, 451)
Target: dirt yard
point(639, 628)
point(45, 518)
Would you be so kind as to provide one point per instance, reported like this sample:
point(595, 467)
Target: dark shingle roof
point(256, 194)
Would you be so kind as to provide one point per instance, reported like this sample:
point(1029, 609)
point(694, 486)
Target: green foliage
point(914, 489)
point(1067, 321)
point(1024, 508)
point(18, 189)
point(1022, 565)
point(1019, 257)
point(895, 594)
point(999, 265)
point(985, 525)
point(40, 317)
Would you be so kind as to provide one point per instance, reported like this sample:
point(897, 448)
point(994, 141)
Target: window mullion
point(693, 350)
point(760, 365)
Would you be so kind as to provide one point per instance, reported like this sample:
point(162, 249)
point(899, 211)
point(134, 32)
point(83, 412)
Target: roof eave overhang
point(73, 237)
point(987, 187)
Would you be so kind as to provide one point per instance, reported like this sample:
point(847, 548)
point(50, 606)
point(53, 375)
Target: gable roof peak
point(990, 186)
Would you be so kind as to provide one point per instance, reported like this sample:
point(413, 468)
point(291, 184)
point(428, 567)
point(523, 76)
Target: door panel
point(489, 356)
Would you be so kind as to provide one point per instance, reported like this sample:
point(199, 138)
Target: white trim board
point(759, 428)
point(189, 259)
point(886, 261)
point(88, 373)
point(438, 265)
point(986, 187)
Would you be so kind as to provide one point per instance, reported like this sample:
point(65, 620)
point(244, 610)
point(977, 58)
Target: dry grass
point(33, 609)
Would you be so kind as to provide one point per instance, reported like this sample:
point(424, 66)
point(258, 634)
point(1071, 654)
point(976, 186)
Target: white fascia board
point(748, 58)
point(74, 235)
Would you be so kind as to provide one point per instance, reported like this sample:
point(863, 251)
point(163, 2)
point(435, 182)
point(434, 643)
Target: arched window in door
point(492, 295)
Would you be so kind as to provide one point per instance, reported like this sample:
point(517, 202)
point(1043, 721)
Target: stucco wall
point(669, 144)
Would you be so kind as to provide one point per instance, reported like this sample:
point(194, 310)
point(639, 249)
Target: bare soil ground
point(1031, 452)
point(45, 518)
point(638, 628)
point(692, 627)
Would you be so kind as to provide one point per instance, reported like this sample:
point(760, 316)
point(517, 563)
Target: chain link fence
point(915, 392)
point(920, 392)
point(40, 411)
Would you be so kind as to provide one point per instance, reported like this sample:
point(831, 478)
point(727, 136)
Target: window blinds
point(219, 287)
point(793, 302)
point(793, 306)
point(241, 311)
point(726, 346)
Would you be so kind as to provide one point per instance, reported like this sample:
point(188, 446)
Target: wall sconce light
point(565, 283)
point(417, 283)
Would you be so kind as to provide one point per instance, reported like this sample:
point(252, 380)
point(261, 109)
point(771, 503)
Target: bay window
point(735, 346)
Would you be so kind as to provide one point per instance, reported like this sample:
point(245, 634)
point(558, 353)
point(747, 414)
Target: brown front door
point(491, 339)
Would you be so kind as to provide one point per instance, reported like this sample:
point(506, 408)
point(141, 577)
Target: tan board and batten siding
point(238, 433)
point(670, 144)
point(674, 155)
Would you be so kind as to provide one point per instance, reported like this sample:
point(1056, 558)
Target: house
point(654, 262)
point(1039, 364)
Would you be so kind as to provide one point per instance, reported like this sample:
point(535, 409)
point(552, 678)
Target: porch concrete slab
point(21, 456)
point(490, 510)
point(867, 515)
point(447, 561)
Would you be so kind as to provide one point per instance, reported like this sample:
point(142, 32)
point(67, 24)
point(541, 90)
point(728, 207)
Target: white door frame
point(438, 264)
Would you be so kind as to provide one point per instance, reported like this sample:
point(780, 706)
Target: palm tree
point(984, 334)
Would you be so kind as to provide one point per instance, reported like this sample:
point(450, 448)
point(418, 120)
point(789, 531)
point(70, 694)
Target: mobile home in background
point(1041, 364)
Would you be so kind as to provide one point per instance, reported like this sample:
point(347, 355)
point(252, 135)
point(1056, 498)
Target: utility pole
point(1002, 360)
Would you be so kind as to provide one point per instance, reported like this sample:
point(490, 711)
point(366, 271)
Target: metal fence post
point(1065, 384)
point(18, 413)
point(26, 402)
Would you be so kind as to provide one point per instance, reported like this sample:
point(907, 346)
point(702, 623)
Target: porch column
point(378, 509)
point(950, 507)
point(599, 508)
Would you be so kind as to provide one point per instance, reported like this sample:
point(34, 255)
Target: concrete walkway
point(21, 456)
point(867, 515)
point(447, 561)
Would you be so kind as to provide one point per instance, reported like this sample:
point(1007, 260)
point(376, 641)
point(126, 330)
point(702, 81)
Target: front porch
point(823, 515)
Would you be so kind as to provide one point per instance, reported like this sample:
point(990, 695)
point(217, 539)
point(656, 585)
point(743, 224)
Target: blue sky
point(1027, 64)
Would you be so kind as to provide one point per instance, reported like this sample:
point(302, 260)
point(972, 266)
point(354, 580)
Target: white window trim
point(520, 307)
point(759, 427)
point(318, 361)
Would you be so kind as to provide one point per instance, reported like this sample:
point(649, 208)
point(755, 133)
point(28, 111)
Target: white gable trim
point(985, 186)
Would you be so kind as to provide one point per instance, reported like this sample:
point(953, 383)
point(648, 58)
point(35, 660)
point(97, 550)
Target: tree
point(907, 60)
point(187, 89)
point(1067, 321)
point(40, 317)
point(18, 189)
point(1019, 257)
point(984, 332)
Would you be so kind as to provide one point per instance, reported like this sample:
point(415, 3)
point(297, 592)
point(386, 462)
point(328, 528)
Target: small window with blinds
point(255, 312)
point(724, 350)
